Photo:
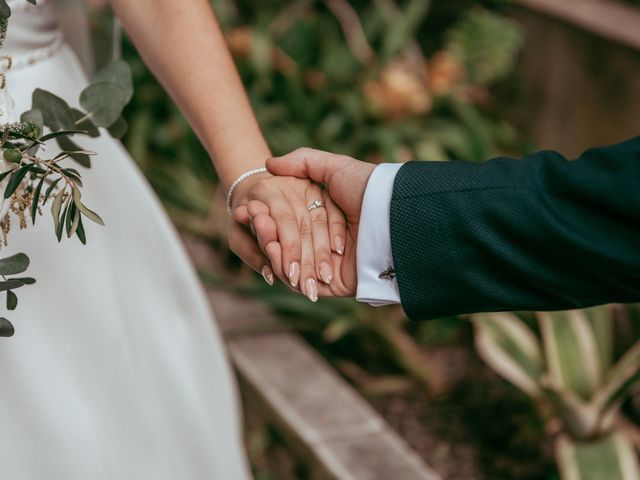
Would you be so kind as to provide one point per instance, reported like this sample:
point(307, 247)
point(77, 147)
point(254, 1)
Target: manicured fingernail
point(294, 273)
point(267, 274)
point(311, 289)
point(253, 229)
point(325, 273)
point(339, 244)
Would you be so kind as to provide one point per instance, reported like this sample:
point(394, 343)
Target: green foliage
point(569, 370)
point(12, 265)
point(24, 180)
point(486, 44)
point(360, 85)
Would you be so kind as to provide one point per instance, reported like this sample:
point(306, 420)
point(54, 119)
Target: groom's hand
point(346, 180)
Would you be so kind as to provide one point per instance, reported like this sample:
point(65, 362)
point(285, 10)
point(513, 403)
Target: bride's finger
point(246, 247)
point(265, 230)
point(283, 213)
point(337, 224)
point(308, 282)
point(320, 234)
point(241, 215)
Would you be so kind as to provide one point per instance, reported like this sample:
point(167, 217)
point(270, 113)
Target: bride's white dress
point(117, 370)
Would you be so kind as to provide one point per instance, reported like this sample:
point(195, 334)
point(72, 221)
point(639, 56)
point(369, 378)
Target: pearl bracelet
point(238, 181)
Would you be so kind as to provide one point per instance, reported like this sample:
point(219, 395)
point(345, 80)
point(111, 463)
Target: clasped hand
point(311, 250)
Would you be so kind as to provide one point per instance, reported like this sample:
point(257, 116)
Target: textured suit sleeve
point(538, 233)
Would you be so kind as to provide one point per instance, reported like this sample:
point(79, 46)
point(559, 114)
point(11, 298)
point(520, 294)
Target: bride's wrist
point(240, 193)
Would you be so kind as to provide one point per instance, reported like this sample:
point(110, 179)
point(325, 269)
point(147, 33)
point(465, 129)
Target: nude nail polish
point(294, 273)
point(311, 289)
point(267, 274)
point(325, 273)
point(339, 244)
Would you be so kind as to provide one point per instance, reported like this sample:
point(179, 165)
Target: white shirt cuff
point(373, 254)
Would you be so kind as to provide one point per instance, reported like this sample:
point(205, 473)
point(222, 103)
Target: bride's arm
point(183, 45)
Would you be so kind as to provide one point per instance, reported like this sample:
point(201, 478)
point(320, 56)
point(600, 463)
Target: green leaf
point(10, 284)
point(571, 351)
point(56, 113)
point(117, 72)
point(34, 116)
point(74, 151)
point(12, 300)
point(611, 457)
point(5, 10)
point(581, 419)
point(61, 133)
point(6, 329)
point(602, 326)
point(47, 193)
point(402, 28)
point(25, 280)
point(62, 219)
point(104, 102)
point(509, 346)
point(91, 215)
point(5, 173)
point(14, 264)
point(36, 198)
point(56, 206)
point(72, 219)
point(621, 378)
point(86, 124)
point(80, 231)
point(119, 128)
point(15, 180)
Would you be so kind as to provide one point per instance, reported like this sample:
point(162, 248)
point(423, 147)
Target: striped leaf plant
point(568, 368)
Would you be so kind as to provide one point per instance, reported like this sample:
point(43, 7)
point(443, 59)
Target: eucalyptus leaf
point(14, 264)
point(6, 329)
point(118, 128)
point(10, 284)
point(34, 116)
point(117, 72)
point(104, 102)
point(83, 122)
point(5, 10)
point(12, 300)
point(56, 113)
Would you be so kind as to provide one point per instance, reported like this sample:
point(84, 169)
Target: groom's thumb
point(306, 163)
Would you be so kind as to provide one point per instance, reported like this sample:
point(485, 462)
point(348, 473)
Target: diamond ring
point(315, 204)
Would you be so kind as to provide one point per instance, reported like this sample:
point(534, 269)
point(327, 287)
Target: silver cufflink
point(388, 274)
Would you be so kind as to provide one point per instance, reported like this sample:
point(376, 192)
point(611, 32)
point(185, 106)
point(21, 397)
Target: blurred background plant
point(570, 372)
point(383, 81)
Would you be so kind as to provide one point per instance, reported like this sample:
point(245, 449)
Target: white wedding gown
point(116, 370)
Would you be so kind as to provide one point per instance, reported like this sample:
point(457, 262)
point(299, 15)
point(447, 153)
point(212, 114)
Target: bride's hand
point(305, 246)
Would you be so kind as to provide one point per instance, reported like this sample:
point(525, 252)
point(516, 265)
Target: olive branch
point(32, 178)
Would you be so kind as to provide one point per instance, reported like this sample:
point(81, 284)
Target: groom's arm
point(540, 233)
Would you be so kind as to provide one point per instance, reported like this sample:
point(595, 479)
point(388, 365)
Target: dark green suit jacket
point(539, 233)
